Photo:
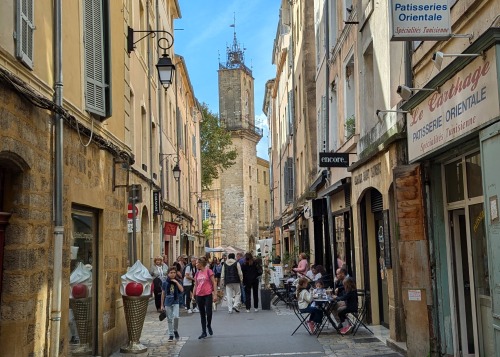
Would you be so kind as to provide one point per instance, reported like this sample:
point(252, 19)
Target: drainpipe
point(178, 157)
point(160, 119)
point(292, 134)
point(55, 314)
point(150, 106)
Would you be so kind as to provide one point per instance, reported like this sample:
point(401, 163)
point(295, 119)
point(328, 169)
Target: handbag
point(162, 316)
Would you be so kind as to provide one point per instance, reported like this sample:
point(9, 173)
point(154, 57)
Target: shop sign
point(463, 103)
point(420, 20)
point(333, 159)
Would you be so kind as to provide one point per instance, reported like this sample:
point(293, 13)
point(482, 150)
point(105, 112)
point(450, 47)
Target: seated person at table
point(318, 291)
point(305, 299)
point(350, 304)
point(338, 286)
point(319, 288)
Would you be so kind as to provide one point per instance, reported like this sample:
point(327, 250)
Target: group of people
point(196, 283)
point(344, 294)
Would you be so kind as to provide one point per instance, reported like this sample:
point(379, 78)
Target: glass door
point(83, 294)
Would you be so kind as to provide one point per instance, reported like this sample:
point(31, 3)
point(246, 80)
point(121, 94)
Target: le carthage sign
point(465, 102)
point(414, 20)
point(336, 159)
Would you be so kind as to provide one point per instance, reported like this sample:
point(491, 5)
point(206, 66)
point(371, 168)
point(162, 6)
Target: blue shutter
point(95, 83)
point(25, 27)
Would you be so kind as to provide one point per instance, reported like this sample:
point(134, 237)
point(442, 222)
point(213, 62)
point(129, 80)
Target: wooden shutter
point(95, 83)
point(24, 31)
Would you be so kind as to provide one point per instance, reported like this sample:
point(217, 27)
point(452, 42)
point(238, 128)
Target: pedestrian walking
point(231, 278)
point(171, 290)
point(240, 258)
point(158, 271)
point(206, 293)
point(250, 282)
point(188, 281)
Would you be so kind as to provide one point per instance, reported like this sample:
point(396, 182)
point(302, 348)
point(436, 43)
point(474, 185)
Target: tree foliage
point(216, 152)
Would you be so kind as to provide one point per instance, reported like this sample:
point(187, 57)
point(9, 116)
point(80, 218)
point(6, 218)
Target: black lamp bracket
point(165, 36)
point(174, 157)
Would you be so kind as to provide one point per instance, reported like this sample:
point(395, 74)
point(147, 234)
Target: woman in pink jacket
point(301, 269)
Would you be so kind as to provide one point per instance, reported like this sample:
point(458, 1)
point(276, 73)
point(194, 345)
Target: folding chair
point(357, 318)
point(280, 294)
point(302, 316)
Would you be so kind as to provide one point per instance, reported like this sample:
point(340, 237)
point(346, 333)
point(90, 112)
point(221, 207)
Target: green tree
point(216, 152)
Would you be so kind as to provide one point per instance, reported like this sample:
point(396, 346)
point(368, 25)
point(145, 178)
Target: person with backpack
point(187, 282)
point(171, 291)
point(231, 278)
point(205, 292)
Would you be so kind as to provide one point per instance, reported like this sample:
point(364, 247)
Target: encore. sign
point(463, 103)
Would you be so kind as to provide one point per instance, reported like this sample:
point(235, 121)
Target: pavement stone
point(154, 336)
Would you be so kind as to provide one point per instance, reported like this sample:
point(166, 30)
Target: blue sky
point(203, 39)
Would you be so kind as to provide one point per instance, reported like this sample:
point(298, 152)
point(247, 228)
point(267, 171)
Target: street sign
point(130, 213)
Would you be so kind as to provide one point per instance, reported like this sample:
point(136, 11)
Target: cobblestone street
point(255, 334)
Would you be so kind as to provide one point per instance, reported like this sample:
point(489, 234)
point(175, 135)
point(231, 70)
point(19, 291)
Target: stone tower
point(239, 226)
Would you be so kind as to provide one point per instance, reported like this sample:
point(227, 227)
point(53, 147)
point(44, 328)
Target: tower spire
point(235, 53)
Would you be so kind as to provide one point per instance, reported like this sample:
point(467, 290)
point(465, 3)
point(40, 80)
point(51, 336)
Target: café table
point(326, 304)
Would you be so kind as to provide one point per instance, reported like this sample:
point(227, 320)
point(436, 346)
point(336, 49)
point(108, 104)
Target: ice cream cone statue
point(135, 290)
point(80, 302)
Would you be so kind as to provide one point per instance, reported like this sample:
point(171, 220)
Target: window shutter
point(24, 31)
point(95, 83)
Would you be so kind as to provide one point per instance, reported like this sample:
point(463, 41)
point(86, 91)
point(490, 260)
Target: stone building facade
point(75, 134)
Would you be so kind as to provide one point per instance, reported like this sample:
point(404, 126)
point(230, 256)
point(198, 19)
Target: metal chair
point(280, 294)
point(302, 316)
point(357, 318)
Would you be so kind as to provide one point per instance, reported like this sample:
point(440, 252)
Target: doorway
point(465, 314)
point(383, 288)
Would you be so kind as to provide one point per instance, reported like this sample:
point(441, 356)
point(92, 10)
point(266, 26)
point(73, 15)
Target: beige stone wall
point(264, 197)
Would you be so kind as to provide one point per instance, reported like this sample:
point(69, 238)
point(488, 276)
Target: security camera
point(405, 92)
point(437, 58)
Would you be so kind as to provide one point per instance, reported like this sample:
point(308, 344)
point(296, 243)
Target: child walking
point(170, 295)
point(305, 299)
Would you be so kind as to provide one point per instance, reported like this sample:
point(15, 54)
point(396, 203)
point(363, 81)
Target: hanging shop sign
point(420, 20)
point(170, 228)
point(333, 159)
point(156, 203)
point(465, 102)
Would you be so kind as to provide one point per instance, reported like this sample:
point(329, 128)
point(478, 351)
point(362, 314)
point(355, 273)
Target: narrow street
point(262, 333)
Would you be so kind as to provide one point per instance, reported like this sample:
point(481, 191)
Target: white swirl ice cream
point(137, 273)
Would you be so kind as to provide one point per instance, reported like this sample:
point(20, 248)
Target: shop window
point(474, 176)
point(454, 181)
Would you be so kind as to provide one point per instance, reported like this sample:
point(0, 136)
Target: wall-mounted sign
point(156, 202)
point(420, 20)
point(333, 159)
point(465, 102)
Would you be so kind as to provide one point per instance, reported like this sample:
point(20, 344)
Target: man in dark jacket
point(231, 278)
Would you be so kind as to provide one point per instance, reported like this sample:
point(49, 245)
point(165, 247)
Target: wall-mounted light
point(406, 92)
point(176, 170)
point(164, 66)
point(438, 56)
point(380, 113)
point(199, 203)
